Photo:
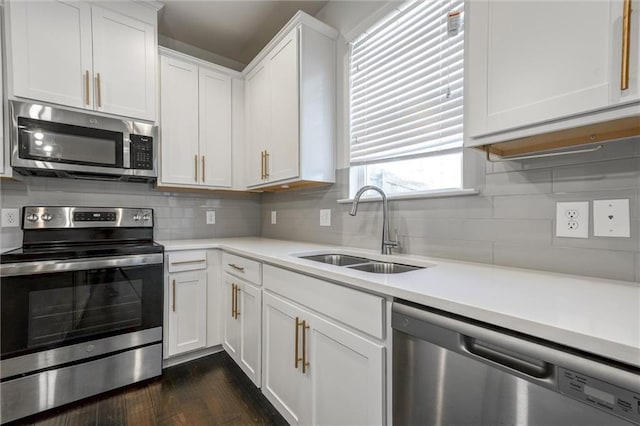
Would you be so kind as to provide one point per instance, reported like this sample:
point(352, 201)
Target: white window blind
point(406, 84)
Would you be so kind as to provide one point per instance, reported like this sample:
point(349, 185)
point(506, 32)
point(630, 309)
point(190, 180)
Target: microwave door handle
point(126, 151)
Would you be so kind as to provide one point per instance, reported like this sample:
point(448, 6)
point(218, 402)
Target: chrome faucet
point(387, 243)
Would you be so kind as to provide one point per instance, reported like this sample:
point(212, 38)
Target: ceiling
point(236, 29)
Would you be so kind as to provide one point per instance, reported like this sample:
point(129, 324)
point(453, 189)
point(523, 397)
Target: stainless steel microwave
point(51, 141)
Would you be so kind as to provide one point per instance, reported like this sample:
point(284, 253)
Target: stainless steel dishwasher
point(452, 371)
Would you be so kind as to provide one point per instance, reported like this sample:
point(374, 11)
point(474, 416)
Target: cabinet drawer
point(186, 260)
point(242, 267)
point(357, 309)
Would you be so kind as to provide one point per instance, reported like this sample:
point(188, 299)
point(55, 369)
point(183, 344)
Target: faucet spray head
point(354, 209)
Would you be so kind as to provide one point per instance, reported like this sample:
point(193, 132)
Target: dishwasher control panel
point(607, 397)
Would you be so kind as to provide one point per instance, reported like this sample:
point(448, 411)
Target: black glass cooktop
point(78, 251)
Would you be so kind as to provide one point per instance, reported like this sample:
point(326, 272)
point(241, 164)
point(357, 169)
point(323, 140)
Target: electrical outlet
point(10, 218)
point(611, 218)
point(325, 217)
point(211, 217)
point(572, 219)
point(273, 217)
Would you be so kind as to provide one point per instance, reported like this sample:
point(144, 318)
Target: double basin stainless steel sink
point(362, 263)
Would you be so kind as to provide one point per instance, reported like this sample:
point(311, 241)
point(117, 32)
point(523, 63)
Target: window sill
point(444, 193)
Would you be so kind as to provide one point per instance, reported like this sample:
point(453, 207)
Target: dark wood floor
point(208, 391)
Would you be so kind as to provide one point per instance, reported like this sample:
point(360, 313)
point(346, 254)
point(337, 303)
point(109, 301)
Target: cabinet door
point(284, 101)
point(215, 128)
point(257, 122)
point(231, 324)
point(632, 93)
point(539, 61)
point(51, 52)
point(250, 313)
point(282, 382)
point(124, 59)
point(345, 376)
point(187, 311)
point(179, 121)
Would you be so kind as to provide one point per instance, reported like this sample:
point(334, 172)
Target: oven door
point(47, 305)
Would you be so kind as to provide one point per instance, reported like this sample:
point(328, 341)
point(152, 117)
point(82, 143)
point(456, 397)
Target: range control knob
point(46, 217)
point(32, 217)
point(146, 217)
point(137, 217)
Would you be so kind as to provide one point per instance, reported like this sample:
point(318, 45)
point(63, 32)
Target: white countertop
point(592, 314)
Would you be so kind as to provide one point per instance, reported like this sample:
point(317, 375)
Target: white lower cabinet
point(282, 378)
point(242, 313)
point(192, 320)
point(187, 311)
point(317, 372)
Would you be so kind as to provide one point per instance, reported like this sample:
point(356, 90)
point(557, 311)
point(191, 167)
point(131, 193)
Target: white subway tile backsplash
point(601, 176)
point(618, 265)
point(510, 223)
point(516, 183)
point(177, 215)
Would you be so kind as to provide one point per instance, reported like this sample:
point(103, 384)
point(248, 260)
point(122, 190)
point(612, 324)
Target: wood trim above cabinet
point(593, 133)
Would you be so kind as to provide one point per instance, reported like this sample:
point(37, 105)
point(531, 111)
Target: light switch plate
point(325, 217)
point(611, 218)
point(273, 217)
point(211, 217)
point(572, 219)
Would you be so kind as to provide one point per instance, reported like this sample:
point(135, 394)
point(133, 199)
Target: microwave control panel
point(141, 152)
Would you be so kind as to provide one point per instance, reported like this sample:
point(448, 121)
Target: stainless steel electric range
point(80, 306)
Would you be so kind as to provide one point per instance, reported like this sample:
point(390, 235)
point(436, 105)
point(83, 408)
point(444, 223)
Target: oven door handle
point(44, 267)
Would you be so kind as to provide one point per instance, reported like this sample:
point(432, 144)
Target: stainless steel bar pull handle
point(237, 293)
point(99, 90)
point(266, 164)
point(86, 87)
point(236, 267)
point(195, 162)
point(203, 169)
point(174, 296)
point(233, 301)
point(184, 262)
point(305, 360)
point(297, 345)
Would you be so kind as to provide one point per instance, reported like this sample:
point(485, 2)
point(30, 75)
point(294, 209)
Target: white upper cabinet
point(289, 98)
point(83, 56)
point(124, 62)
point(196, 123)
point(51, 52)
point(257, 122)
point(282, 64)
point(179, 121)
point(533, 67)
point(215, 127)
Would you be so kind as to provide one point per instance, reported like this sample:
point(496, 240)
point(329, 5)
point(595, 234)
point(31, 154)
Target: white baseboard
point(190, 356)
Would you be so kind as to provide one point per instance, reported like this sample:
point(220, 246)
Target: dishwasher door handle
point(531, 367)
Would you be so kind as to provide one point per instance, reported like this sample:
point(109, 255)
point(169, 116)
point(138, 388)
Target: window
point(406, 99)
